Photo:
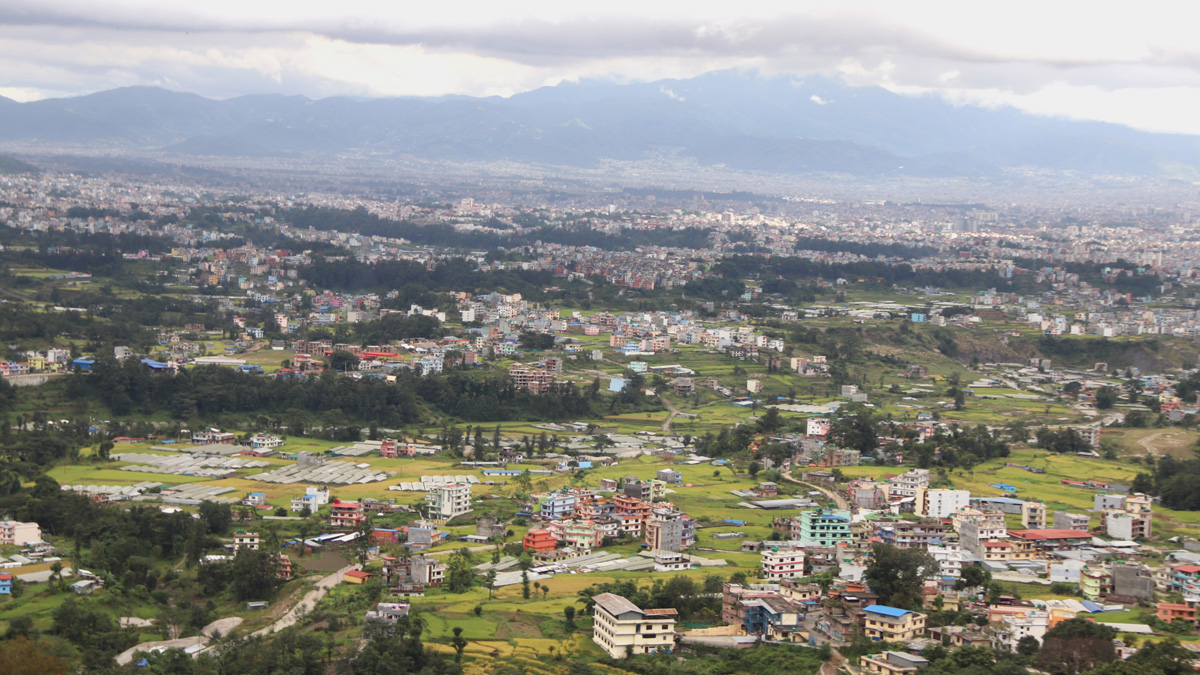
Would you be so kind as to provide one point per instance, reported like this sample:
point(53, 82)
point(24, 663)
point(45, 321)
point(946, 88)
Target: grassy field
point(1178, 443)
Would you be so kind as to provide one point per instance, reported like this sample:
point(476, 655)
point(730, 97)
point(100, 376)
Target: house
point(891, 663)
point(449, 501)
point(892, 624)
point(357, 577)
point(1165, 611)
point(6, 583)
point(255, 499)
point(539, 540)
point(346, 514)
point(387, 612)
point(760, 609)
point(261, 440)
point(17, 533)
point(243, 539)
point(313, 498)
point(824, 527)
point(622, 629)
point(84, 586)
point(212, 437)
point(284, 567)
point(782, 564)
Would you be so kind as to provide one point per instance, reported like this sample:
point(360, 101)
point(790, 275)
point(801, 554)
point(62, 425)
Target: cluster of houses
point(577, 520)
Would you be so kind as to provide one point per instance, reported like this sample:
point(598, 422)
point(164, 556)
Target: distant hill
point(743, 121)
point(12, 165)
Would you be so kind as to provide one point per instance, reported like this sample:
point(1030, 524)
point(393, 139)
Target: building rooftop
point(888, 611)
point(1049, 534)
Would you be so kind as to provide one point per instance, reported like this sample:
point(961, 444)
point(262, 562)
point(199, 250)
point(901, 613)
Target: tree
point(1028, 646)
point(342, 361)
point(753, 469)
point(254, 574)
point(972, 576)
point(459, 644)
point(22, 656)
point(461, 576)
point(1106, 397)
point(897, 575)
point(569, 615)
point(491, 583)
point(1076, 646)
point(525, 584)
point(771, 421)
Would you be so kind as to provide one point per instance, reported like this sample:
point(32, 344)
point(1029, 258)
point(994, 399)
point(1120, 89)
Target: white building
point(907, 483)
point(782, 564)
point(1013, 627)
point(941, 503)
point(949, 558)
point(314, 497)
point(449, 501)
point(17, 533)
point(621, 628)
point(243, 539)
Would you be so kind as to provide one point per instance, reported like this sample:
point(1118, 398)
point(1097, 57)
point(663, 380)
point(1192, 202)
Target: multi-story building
point(1033, 515)
point(314, 497)
point(6, 582)
point(881, 622)
point(1050, 540)
point(787, 563)
point(1125, 516)
point(539, 540)
point(1094, 581)
point(760, 610)
point(346, 514)
point(909, 533)
point(536, 380)
point(580, 534)
point(977, 528)
point(825, 527)
point(940, 503)
point(949, 558)
point(622, 629)
point(1013, 627)
point(449, 501)
point(556, 505)
point(17, 533)
point(243, 539)
point(1064, 520)
point(669, 530)
point(907, 483)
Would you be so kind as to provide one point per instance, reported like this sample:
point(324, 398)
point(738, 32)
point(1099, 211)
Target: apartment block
point(622, 629)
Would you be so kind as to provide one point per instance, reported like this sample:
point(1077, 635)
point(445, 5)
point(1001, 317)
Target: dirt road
point(837, 498)
point(308, 602)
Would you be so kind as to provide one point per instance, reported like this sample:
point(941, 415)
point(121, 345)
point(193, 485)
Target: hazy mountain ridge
point(784, 125)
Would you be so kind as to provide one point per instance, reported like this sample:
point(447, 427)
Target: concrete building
point(940, 503)
point(824, 527)
point(1064, 520)
point(668, 530)
point(346, 514)
point(1033, 515)
point(907, 483)
point(785, 563)
point(17, 533)
point(243, 539)
point(622, 629)
point(892, 623)
point(448, 501)
point(891, 663)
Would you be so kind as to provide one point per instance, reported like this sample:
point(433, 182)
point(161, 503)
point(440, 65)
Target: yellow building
point(621, 628)
point(893, 623)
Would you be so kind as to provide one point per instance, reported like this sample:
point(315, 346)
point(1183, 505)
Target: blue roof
point(1091, 606)
point(887, 611)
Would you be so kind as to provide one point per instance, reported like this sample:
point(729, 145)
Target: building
point(668, 530)
point(6, 582)
point(920, 534)
point(448, 501)
point(487, 526)
point(1064, 520)
point(1165, 611)
point(212, 437)
point(536, 380)
point(669, 476)
point(314, 497)
point(940, 503)
point(1132, 580)
point(539, 540)
point(891, 663)
point(17, 533)
point(1033, 515)
point(261, 440)
point(824, 527)
point(761, 610)
point(892, 624)
point(1029, 623)
point(782, 564)
point(243, 539)
point(1050, 540)
point(907, 483)
point(346, 514)
point(622, 629)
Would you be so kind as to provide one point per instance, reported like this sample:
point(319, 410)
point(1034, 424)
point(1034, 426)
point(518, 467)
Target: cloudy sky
point(1136, 64)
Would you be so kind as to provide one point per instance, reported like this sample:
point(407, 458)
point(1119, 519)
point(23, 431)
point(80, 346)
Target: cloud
point(818, 100)
point(1033, 55)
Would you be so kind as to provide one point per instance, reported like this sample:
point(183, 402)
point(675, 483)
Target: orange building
point(1167, 611)
point(540, 540)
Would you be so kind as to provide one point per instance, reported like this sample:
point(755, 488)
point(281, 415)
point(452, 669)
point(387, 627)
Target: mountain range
point(742, 121)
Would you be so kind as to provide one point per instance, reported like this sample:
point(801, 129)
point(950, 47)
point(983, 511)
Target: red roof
point(359, 575)
point(1188, 569)
point(1049, 534)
